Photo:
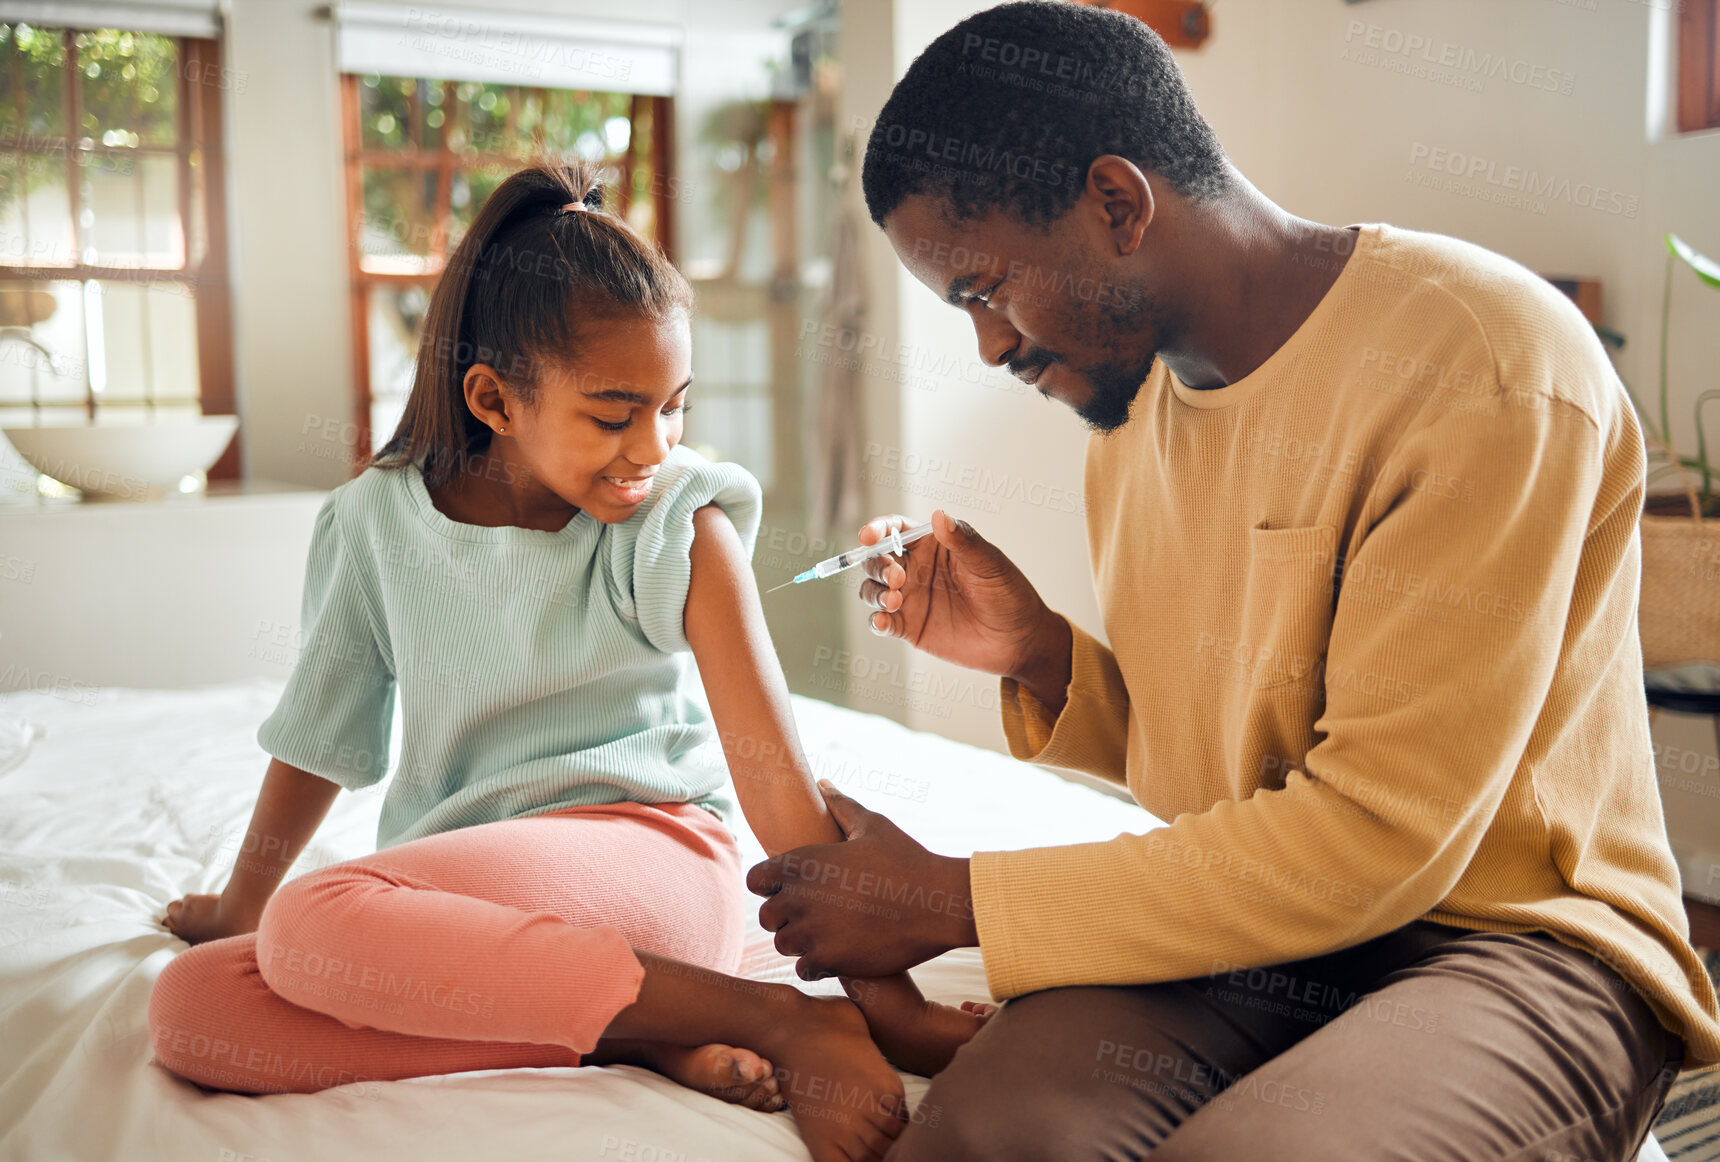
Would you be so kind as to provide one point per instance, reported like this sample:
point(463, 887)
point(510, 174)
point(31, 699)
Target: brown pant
point(1428, 1043)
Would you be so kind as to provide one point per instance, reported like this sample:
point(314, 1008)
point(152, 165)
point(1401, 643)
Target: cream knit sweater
point(1373, 654)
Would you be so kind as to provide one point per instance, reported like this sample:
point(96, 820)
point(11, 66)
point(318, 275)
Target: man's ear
point(1124, 195)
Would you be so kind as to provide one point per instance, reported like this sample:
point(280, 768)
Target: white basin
point(125, 461)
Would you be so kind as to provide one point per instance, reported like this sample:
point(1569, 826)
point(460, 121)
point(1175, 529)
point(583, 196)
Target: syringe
point(891, 544)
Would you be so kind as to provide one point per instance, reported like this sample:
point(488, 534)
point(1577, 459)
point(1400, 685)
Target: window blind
point(166, 17)
point(507, 48)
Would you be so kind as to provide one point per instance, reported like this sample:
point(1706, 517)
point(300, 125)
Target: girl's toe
point(759, 1100)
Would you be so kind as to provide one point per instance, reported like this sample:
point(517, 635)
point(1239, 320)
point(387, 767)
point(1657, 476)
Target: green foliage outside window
point(127, 94)
point(488, 129)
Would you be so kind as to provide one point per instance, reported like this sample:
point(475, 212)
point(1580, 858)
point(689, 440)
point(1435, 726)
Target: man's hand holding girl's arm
point(876, 903)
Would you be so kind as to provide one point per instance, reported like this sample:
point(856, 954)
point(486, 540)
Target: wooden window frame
point(1698, 65)
point(444, 162)
point(201, 158)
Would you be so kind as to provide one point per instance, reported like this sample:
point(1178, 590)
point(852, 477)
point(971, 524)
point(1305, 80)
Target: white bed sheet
point(131, 798)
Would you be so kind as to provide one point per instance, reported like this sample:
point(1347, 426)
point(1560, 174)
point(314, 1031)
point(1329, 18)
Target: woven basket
point(1680, 611)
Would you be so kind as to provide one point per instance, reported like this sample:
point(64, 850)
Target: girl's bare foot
point(847, 1101)
point(734, 1075)
point(723, 1071)
point(915, 1034)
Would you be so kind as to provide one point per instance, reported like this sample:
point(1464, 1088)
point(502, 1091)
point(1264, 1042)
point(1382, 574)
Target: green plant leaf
point(1706, 268)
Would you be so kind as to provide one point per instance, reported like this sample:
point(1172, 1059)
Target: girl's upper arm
point(724, 619)
point(749, 697)
point(717, 551)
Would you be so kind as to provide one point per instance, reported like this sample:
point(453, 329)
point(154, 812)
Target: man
point(1362, 509)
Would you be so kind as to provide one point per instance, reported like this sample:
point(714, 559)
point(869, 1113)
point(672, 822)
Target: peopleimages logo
point(911, 142)
point(1393, 48)
point(476, 36)
point(1484, 178)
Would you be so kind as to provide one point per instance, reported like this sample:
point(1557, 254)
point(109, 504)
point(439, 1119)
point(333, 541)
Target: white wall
point(166, 594)
point(286, 217)
point(1336, 139)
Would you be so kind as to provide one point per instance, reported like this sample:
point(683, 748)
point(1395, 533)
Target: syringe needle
point(892, 545)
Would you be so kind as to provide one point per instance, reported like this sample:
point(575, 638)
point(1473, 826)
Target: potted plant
point(1680, 608)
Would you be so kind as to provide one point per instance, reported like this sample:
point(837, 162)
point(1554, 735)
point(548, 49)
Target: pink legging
point(499, 946)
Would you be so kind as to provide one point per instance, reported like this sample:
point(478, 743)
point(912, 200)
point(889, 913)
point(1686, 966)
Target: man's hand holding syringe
point(956, 596)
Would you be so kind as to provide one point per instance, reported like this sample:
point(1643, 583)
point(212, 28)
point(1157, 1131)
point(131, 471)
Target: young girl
point(527, 561)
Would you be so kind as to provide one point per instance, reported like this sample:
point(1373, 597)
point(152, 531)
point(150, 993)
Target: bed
point(125, 799)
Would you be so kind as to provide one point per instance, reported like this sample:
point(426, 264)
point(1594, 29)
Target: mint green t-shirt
point(536, 670)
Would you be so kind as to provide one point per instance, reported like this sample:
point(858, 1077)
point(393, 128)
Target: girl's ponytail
point(517, 292)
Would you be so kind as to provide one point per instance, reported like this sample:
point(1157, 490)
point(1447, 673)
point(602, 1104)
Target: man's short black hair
point(1009, 108)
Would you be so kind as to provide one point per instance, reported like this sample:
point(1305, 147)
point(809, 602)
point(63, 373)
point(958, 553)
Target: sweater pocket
point(1287, 604)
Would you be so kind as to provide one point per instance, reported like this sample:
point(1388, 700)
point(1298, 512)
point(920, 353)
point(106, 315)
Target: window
point(422, 155)
point(1698, 65)
point(113, 253)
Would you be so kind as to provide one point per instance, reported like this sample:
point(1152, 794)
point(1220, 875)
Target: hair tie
point(575, 206)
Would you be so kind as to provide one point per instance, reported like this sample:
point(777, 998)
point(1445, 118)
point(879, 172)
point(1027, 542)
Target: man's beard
point(1117, 381)
point(1115, 386)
